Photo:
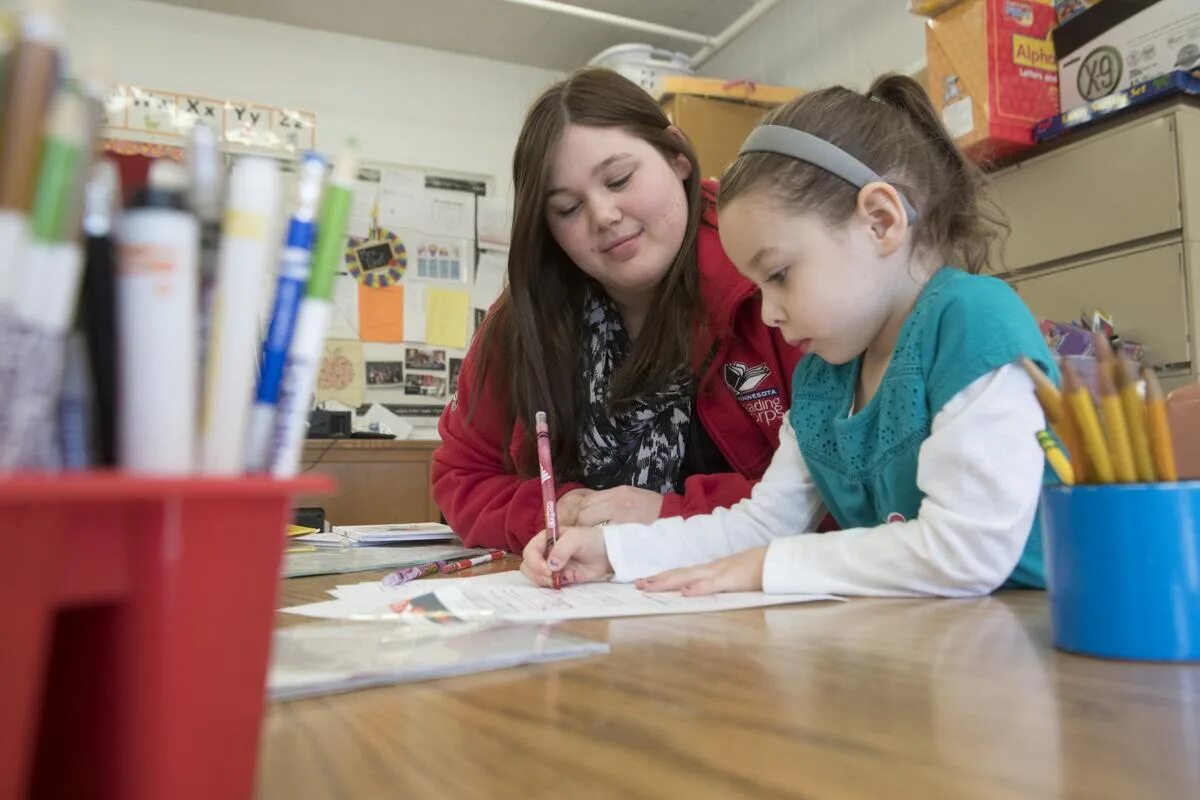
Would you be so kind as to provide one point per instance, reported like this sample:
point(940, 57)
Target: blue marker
point(294, 269)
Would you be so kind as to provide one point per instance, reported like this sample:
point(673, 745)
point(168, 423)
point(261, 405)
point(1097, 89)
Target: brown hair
point(894, 130)
point(534, 334)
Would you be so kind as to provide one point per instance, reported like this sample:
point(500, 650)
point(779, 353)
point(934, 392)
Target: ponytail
point(895, 131)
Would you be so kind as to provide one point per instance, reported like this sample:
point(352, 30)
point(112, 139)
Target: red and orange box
point(992, 73)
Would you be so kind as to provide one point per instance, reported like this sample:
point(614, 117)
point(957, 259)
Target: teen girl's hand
point(619, 504)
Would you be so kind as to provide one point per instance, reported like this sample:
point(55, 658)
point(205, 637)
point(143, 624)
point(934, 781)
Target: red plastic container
point(137, 617)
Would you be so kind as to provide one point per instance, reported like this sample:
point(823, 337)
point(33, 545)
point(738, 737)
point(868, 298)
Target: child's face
point(617, 208)
point(825, 288)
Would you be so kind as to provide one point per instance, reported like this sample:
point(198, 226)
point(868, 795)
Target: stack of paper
point(509, 596)
point(324, 658)
point(375, 535)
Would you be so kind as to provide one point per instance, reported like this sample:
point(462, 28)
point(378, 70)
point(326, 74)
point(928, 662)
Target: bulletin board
point(425, 255)
point(415, 283)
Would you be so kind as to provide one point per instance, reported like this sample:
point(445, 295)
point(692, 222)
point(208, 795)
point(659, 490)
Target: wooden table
point(865, 699)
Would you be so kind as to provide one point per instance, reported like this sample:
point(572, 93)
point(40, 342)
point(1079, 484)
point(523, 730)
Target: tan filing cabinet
point(1111, 220)
point(717, 115)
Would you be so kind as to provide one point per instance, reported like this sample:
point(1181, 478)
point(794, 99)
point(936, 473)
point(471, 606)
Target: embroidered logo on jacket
point(741, 378)
point(895, 516)
point(764, 405)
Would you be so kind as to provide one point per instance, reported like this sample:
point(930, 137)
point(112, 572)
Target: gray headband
point(802, 146)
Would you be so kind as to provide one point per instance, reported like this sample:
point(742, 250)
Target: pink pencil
point(549, 493)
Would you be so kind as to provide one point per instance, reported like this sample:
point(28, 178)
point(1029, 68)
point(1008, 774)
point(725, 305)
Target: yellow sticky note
point(446, 315)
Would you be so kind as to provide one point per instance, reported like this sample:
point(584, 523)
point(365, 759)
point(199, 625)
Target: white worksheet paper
point(508, 595)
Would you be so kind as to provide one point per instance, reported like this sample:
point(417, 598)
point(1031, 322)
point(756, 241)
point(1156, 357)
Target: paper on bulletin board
point(447, 313)
point(381, 384)
point(343, 313)
point(381, 313)
point(362, 213)
point(341, 376)
point(449, 214)
point(440, 259)
point(490, 272)
point(414, 312)
point(495, 222)
point(402, 201)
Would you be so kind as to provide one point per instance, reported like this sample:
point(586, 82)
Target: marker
point(48, 279)
point(1159, 429)
point(549, 493)
point(76, 407)
point(403, 576)
point(31, 73)
point(304, 356)
point(446, 567)
point(248, 243)
point(206, 169)
point(157, 287)
point(99, 307)
point(294, 269)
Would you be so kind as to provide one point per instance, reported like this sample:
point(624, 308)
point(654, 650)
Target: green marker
point(308, 340)
point(62, 155)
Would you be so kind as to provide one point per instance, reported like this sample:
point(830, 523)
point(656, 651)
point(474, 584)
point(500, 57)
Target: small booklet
point(331, 657)
point(334, 560)
point(376, 535)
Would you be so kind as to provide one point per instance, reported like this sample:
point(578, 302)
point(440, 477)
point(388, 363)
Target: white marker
point(249, 241)
point(158, 276)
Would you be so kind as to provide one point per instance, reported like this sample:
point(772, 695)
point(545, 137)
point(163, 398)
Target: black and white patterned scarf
point(644, 443)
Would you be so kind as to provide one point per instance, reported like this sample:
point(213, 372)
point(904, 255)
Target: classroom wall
point(406, 105)
point(815, 43)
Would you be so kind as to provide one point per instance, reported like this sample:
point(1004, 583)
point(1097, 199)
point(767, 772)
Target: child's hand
point(739, 573)
point(580, 556)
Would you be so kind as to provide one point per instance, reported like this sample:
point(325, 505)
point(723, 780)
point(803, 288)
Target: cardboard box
point(992, 73)
point(1119, 43)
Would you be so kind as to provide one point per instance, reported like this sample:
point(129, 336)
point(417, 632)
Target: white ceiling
point(492, 28)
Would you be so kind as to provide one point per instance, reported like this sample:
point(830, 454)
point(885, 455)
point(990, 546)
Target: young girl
point(864, 228)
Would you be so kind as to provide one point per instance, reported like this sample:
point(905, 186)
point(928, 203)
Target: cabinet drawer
point(1144, 291)
point(1102, 192)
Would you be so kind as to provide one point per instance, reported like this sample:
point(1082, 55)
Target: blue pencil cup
point(1123, 569)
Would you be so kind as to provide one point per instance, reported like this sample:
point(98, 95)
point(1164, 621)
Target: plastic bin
point(1123, 569)
point(136, 633)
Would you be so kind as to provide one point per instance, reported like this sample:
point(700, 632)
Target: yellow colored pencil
point(1079, 400)
point(1115, 430)
point(1159, 428)
point(1059, 417)
point(1135, 421)
point(1056, 459)
point(1047, 393)
point(1068, 433)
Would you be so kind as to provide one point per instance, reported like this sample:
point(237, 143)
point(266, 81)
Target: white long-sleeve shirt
point(980, 472)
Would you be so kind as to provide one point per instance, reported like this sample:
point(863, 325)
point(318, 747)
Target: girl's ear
point(680, 163)
point(880, 206)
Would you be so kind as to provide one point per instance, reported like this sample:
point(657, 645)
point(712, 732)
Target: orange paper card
point(381, 314)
